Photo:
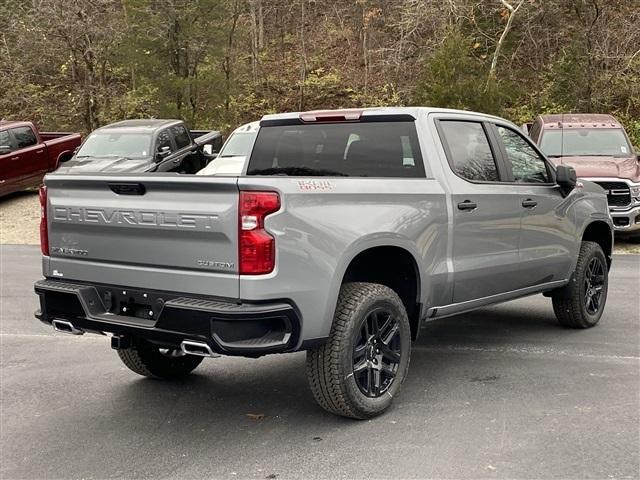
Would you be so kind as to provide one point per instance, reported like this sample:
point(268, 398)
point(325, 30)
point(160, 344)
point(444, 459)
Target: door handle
point(528, 203)
point(13, 159)
point(39, 151)
point(467, 205)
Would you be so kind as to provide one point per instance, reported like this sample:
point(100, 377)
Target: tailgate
point(165, 231)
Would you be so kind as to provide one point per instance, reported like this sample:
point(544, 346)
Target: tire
point(148, 360)
point(574, 304)
point(342, 370)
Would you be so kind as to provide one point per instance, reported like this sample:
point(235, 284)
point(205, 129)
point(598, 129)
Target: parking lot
point(499, 393)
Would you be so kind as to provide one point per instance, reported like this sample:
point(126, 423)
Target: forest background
point(79, 64)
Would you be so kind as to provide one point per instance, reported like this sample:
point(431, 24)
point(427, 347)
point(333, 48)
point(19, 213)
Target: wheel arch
point(600, 232)
point(393, 263)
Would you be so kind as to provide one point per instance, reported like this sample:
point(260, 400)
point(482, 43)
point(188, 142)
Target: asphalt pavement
point(499, 393)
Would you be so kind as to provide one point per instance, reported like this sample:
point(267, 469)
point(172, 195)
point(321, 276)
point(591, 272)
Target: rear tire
point(147, 359)
point(580, 303)
point(361, 367)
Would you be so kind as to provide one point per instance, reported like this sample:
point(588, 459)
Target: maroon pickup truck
point(26, 155)
point(597, 146)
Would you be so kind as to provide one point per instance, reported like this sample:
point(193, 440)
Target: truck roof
point(150, 124)
point(14, 123)
point(371, 111)
point(579, 120)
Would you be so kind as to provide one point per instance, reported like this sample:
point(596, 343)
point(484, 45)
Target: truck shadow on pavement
point(249, 393)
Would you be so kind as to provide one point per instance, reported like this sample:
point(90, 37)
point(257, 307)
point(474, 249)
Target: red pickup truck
point(26, 155)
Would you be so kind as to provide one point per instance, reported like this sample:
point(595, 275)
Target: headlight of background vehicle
point(635, 191)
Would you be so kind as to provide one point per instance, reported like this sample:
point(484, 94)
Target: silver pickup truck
point(345, 231)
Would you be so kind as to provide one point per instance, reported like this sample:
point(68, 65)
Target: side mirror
point(566, 177)
point(163, 152)
point(5, 149)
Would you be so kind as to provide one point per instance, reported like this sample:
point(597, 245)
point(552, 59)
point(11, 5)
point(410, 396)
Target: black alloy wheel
point(580, 303)
point(360, 368)
point(377, 352)
point(593, 285)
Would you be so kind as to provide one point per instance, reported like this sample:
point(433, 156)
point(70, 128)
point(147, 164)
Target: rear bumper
point(626, 221)
point(168, 319)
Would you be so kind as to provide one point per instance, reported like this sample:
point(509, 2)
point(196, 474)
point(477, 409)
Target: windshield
point(238, 144)
point(585, 142)
point(127, 145)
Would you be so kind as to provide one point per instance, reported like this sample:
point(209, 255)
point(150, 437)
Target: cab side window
point(527, 165)
point(164, 140)
point(469, 152)
point(181, 136)
point(24, 137)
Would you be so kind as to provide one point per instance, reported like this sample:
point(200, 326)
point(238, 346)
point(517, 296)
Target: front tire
point(149, 360)
point(580, 303)
point(361, 367)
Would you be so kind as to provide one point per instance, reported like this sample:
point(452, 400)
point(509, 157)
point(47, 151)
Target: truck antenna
point(562, 137)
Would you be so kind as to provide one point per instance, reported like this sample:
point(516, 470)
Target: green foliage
point(632, 126)
point(454, 77)
point(78, 64)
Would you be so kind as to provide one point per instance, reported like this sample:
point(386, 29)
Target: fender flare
point(361, 245)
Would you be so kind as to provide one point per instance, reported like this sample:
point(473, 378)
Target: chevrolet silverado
point(345, 230)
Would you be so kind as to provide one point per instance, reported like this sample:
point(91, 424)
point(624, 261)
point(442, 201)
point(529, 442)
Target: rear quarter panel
point(325, 222)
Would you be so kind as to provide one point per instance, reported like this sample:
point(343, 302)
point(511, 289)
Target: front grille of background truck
point(618, 193)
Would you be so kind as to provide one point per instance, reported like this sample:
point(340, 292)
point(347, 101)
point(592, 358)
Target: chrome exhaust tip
point(66, 327)
point(192, 347)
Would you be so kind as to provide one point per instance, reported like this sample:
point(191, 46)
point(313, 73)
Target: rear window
point(364, 149)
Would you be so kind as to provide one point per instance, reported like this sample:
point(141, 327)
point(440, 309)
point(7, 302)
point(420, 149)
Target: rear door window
point(359, 149)
point(24, 137)
point(469, 152)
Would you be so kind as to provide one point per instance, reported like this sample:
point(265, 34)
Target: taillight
point(256, 248)
point(44, 235)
